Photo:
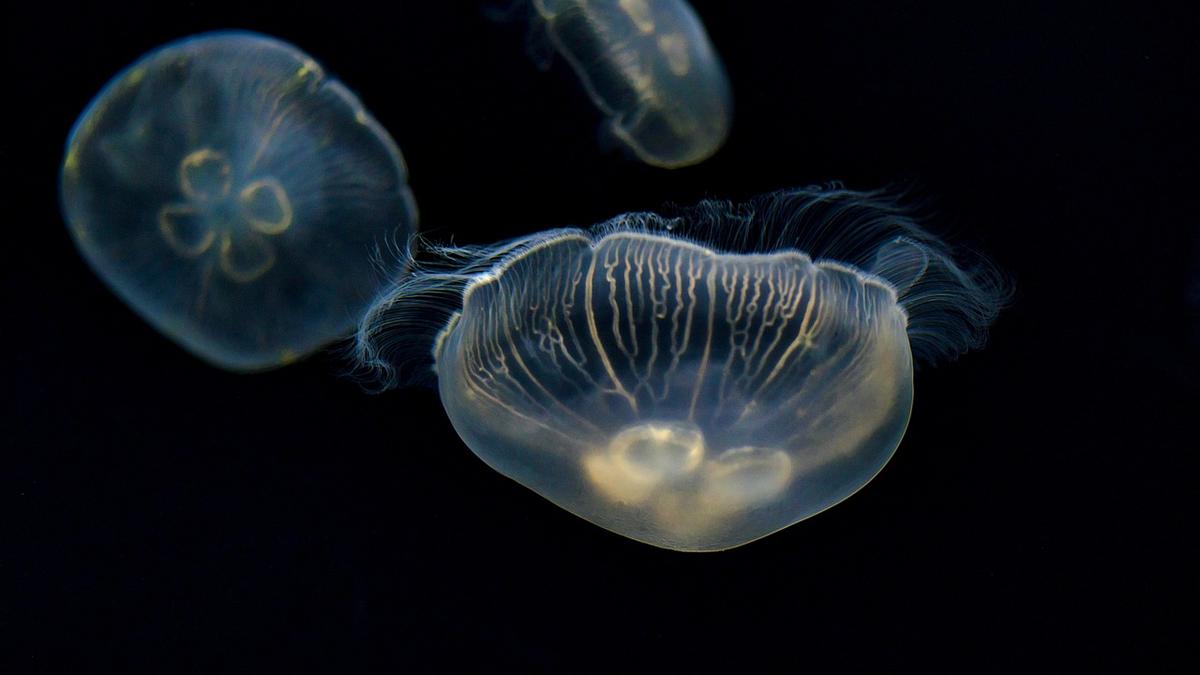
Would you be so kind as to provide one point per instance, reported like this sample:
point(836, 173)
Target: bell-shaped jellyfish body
point(650, 68)
point(692, 383)
point(232, 194)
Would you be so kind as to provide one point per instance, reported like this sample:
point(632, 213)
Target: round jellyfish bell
point(233, 194)
point(649, 67)
point(693, 383)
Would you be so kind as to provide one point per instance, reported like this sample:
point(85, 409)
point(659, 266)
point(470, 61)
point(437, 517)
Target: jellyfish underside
point(683, 398)
point(651, 70)
point(232, 194)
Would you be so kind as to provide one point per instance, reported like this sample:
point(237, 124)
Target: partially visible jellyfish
point(697, 382)
point(649, 67)
point(233, 194)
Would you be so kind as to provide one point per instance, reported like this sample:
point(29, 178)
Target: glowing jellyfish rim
point(261, 207)
point(945, 309)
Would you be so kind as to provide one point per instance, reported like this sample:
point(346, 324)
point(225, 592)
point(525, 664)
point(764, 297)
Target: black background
point(161, 515)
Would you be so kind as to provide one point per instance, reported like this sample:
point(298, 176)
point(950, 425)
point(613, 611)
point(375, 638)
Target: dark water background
point(163, 516)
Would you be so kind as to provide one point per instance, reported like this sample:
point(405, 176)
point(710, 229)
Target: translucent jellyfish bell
point(649, 67)
point(233, 194)
point(694, 391)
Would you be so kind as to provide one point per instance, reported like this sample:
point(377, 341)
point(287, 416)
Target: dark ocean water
point(165, 516)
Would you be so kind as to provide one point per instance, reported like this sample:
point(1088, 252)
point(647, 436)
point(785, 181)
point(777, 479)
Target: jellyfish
point(694, 382)
point(233, 195)
point(649, 67)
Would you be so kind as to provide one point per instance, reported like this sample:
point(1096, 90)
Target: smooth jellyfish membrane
point(649, 67)
point(233, 194)
point(694, 382)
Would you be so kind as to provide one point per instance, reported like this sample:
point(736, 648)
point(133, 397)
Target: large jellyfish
point(233, 194)
point(695, 382)
point(649, 67)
